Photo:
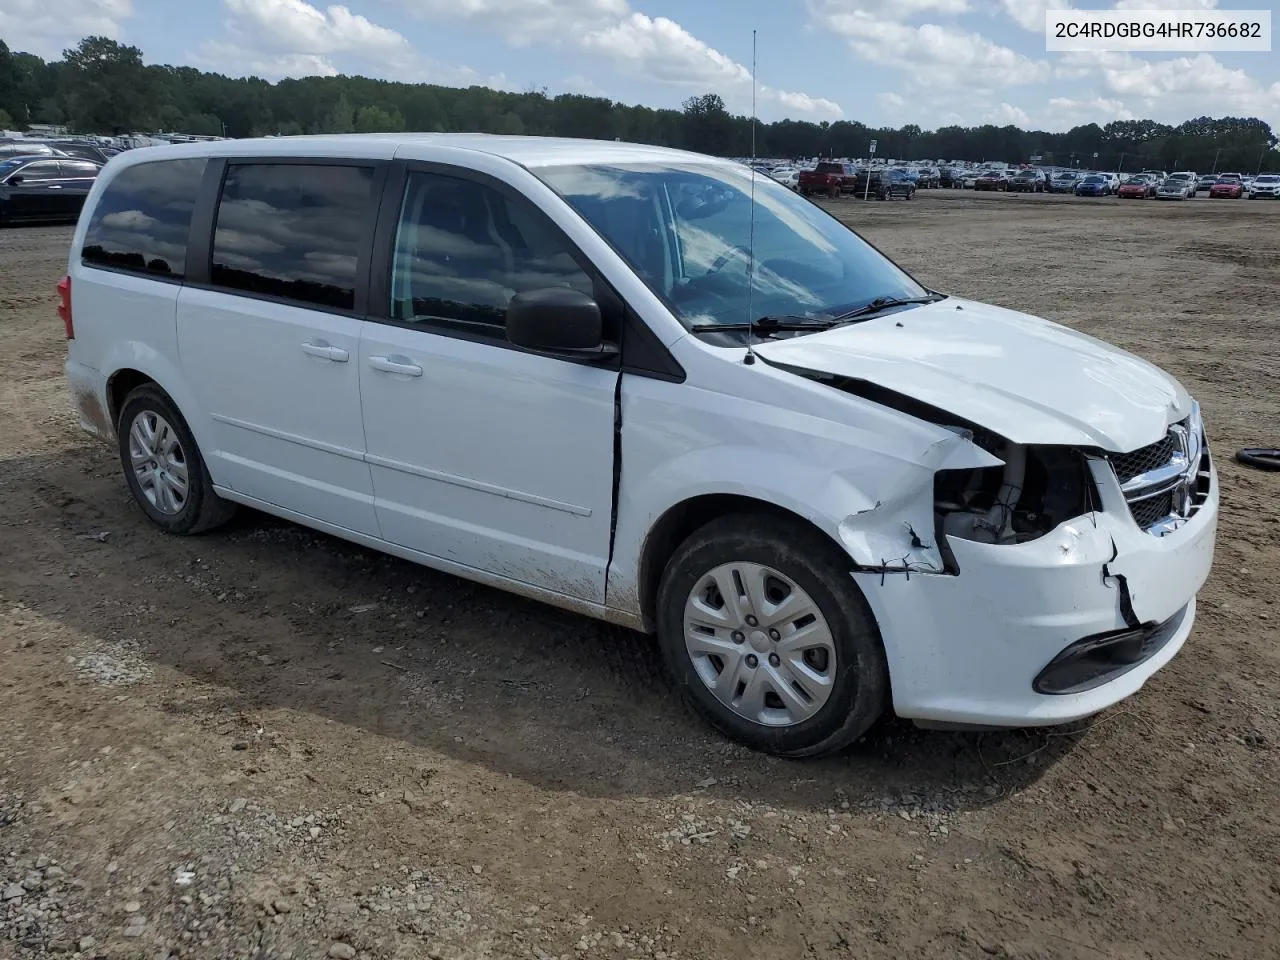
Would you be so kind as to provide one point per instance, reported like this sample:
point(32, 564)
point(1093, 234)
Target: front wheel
point(163, 466)
point(768, 637)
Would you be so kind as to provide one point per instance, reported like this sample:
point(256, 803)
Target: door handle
point(55, 186)
point(396, 364)
point(324, 351)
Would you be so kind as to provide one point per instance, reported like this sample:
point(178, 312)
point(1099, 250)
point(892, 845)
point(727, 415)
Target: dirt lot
point(266, 743)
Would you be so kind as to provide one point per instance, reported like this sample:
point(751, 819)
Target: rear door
point(77, 180)
point(269, 333)
point(484, 455)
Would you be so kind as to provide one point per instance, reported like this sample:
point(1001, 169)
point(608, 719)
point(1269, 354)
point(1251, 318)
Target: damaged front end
point(986, 489)
point(1043, 597)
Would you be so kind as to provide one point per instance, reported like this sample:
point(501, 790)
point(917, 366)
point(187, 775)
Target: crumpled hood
point(1027, 379)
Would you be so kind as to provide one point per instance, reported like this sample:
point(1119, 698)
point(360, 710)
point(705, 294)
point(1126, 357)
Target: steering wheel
point(719, 263)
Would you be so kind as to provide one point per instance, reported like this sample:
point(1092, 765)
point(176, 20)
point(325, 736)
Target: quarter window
point(463, 250)
point(292, 231)
point(142, 219)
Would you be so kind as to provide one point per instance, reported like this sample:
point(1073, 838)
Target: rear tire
point(163, 467)
point(804, 623)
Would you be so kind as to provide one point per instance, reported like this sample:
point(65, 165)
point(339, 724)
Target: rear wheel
point(768, 637)
point(163, 466)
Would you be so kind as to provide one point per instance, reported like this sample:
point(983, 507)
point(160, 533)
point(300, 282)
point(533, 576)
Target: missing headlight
point(1038, 488)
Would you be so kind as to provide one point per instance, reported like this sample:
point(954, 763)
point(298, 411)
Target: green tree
point(377, 120)
point(6, 121)
point(708, 126)
point(341, 117)
point(105, 86)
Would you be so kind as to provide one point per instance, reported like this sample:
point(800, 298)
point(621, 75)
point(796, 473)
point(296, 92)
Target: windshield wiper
point(884, 303)
point(769, 324)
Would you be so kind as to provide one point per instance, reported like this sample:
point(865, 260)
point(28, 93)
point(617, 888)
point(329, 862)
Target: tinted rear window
point(292, 231)
point(142, 218)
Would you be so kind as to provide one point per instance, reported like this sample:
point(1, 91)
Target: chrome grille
point(1130, 465)
point(1151, 511)
point(1165, 482)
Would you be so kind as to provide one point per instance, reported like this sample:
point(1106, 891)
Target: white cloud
point(46, 27)
point(1178, 88)
point(295, 25)
point(1029, 14)
point(1063, 113)
point(291, 38)
point(935, 55)
point(235, 60)
point(1007, 113)
point(653, 49)
point(1166, 4)
point(887, 9)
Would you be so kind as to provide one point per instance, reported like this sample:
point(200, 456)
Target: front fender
point(868, 487)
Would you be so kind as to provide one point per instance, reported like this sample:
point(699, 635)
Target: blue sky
point(928, 62)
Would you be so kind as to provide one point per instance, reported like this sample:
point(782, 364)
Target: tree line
point(101, 86)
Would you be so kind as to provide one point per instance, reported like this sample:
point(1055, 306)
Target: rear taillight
point(64, 306)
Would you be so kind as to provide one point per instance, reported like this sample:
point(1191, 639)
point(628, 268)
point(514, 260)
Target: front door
point(37, 192)
point(485, 455)
point(271, 345)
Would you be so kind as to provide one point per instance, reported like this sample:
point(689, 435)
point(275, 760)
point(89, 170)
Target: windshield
point(1093, 179)
point(686, 230)
point(1267, 178)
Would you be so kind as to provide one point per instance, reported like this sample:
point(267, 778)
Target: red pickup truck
point(828, 179)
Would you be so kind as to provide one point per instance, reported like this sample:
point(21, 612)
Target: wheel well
point(121, 384)
point(678, 523)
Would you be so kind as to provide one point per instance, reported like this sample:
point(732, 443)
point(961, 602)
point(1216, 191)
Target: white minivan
point(651, 387)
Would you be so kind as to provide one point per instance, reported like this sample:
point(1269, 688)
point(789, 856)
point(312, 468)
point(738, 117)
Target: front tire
point(769, 639)
point(163, 467)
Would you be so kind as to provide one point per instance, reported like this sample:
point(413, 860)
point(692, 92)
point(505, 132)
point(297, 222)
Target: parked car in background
point(1094, 185)
point(25, 148)
point(929, 178)
point(1159, 176)
point(1205, 181)
point(81, 149)
point(1227, 188)
point(1063, 182)
point(885, 184)
point(829, 178)
point(1177, 187)
point(787, 176)
point(1193, 181)
point(992, 180)
point(1137, 187)
point(1028, 181)
point(1265, 187)
point(520, 361)
point(969, 179)
point(950, 177)
point(44, 188)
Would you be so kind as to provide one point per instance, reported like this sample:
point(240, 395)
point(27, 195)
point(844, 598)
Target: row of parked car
point(1182, 185)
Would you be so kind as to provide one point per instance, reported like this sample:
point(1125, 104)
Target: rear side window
point(142, 218)
point(292, 231)
point(77, 169)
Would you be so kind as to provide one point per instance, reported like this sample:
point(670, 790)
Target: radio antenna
point(750, 358)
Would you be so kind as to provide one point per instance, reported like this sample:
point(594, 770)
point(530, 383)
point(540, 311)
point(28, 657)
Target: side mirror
point(558, 320)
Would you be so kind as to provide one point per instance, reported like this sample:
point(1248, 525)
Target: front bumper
point(968, 649)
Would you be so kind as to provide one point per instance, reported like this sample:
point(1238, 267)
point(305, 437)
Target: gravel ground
point(266, 743)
